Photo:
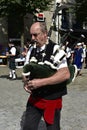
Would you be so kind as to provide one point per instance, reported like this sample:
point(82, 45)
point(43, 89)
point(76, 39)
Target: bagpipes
point(35, 70)
point(44, 69)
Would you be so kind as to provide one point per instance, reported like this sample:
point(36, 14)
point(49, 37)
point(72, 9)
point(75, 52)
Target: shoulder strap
point(49, 50)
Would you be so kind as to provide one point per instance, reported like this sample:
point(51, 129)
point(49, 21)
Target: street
point(13, 100)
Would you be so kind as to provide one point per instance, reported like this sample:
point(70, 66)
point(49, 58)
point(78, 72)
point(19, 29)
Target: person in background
point(86, 58)
point(78, 59)
point(67, 49)
point(11, 54)
point(84, 53)
point(25, 49)
point(45, 93)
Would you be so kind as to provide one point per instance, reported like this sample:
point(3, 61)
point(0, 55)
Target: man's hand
point(25, 79)
point(32, 85)
point(27, 89)
point(7, 53)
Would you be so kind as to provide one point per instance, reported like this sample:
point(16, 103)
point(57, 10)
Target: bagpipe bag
point(43, 70)
point(34, 70)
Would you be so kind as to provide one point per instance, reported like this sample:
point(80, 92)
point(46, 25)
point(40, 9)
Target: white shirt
point(13, 51)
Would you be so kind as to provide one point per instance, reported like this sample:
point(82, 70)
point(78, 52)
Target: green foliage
point(15, 10)
point(22, 7)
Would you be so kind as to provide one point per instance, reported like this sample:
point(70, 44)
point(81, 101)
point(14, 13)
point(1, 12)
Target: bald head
point(38, 32)
point(39, 26)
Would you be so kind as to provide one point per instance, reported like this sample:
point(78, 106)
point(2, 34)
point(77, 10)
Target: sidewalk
point(13, 102)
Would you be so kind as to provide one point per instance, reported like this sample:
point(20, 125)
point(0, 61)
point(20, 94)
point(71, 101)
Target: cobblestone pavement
point(13, 101)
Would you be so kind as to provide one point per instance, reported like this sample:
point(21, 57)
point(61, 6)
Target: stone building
point(64, 19)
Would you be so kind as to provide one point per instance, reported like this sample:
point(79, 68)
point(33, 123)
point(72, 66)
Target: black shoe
point(13, 78)
point(85, 67)
point(9, 77)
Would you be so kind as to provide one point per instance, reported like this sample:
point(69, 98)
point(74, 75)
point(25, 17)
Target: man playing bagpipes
point(46, 92)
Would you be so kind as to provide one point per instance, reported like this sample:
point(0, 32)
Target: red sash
point(49, 107)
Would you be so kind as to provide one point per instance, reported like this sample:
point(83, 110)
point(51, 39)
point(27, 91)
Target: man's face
point(37, 35)
point(9, 44)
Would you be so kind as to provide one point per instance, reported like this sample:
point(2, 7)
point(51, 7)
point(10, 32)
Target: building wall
point(64, 4)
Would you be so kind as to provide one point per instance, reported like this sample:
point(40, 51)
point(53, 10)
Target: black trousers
point(33, 116)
